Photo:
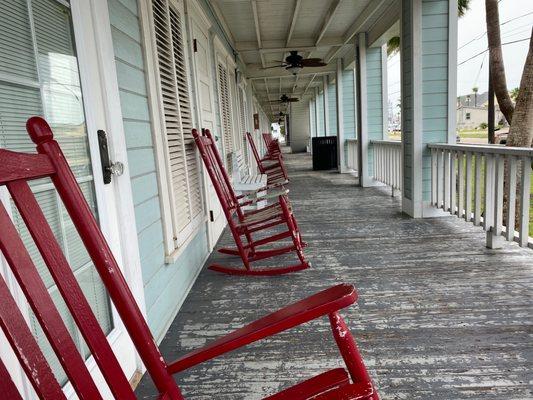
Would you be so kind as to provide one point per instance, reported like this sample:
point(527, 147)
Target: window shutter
point(226, 110)
point(242, 118)
point(192, 162)
point(184, 171)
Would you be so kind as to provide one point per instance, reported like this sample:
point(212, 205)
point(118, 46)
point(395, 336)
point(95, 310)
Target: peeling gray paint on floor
point(439, 315)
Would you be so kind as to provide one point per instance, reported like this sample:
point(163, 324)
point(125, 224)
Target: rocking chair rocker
point(244, 224)
point(350, 383)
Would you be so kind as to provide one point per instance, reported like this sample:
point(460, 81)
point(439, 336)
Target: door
point(204, 91)
point(40, 75)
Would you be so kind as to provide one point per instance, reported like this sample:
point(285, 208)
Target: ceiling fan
point(295, 62)
point(285, 99)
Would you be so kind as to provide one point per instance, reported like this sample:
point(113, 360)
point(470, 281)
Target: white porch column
point(384, 92)
point(340, 118)
point(326, 106)
point(317, 111)
point(429, 76)
point(370, 101)
point(312, 123)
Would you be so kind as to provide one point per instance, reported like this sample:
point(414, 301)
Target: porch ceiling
point(264, 31)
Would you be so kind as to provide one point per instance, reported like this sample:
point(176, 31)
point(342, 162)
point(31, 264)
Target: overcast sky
point(516, 19)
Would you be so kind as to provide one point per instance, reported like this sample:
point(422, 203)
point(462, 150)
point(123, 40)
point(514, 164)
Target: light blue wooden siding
point(407, 96)
point(433, 34)
point(320, 114)
point(434, 82)
point(165, 285)
point(348, 104)
point(332, 109)
point(374, 82)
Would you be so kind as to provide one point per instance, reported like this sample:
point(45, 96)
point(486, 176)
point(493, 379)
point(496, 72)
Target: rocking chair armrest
point(274, 165)
point(317, 305)
point(274, 185)
point(260, 197)
point(270, 195)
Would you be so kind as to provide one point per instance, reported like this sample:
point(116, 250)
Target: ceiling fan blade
point(313, 62)
point(293, 100)
point(275, 101)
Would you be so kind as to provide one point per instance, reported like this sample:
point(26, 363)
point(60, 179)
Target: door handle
point(109, 168)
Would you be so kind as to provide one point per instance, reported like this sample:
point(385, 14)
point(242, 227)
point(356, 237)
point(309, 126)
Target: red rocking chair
point(272, 145)
point(350, 383)
point(245, 224)
point(272, 166)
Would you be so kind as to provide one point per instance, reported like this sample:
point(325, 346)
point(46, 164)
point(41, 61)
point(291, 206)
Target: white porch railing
point(352, 162)
point(388, 163)
point(468, 181)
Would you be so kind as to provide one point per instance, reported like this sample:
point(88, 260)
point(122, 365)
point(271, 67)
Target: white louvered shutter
point(184, 170)
point(226, 111)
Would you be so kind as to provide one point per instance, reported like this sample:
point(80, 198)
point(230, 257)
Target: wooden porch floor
point(439, 316)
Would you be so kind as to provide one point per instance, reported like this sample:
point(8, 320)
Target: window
point(39, 76)
point(467, 115)
point(183, 170)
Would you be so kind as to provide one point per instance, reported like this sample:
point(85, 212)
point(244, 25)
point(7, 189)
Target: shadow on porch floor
point(439, 316)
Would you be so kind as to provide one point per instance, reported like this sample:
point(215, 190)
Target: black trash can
point(324, 153)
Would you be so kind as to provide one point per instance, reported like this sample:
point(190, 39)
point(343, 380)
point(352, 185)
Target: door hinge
point(194, 45)
point(211, 216)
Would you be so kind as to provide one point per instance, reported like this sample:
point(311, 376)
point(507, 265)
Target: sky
point(516, 19)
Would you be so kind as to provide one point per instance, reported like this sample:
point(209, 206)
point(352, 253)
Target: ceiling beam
point(257, 30)
point(357, 25)
point(255, 71)
point(309, 84)
point(295, 11)
point(276, 46)
point(268, 95)
point(327, 20)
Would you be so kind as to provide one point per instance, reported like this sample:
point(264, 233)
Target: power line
point(503, 23)
point(480, 53)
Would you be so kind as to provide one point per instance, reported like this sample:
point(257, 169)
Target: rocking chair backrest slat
point(267, 138)
point(11, 245)
point(223, 172)
point(216, 171)
point(27, 351)
point(44, 309)
point(69, 288)
point(255, 152)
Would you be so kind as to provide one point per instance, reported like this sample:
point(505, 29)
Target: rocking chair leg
point(349, 350)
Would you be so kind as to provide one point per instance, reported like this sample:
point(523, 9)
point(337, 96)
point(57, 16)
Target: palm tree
point(393, 45)
point(497, 67)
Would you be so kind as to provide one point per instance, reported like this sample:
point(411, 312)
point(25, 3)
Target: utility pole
point(490, 123)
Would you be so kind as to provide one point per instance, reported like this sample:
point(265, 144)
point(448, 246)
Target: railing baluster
point(494, 234)
point(477, 189)
point(511, 197)
point(453, 182)
point(468, 187)
point(461, 173)
point(434, 177)
point(440, 178)
point(447, 167)
point(489, 179)
point(525, 189)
